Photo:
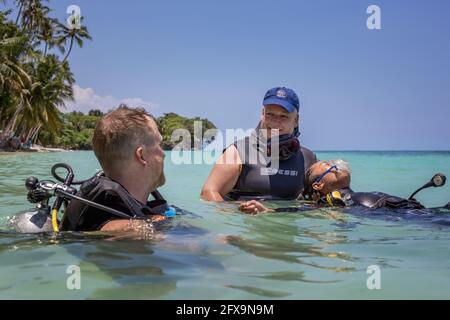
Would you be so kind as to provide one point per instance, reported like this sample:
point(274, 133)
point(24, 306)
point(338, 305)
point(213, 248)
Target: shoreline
point(38, 149)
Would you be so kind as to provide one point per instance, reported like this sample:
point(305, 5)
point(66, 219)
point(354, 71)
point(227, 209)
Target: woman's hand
point(253, 207)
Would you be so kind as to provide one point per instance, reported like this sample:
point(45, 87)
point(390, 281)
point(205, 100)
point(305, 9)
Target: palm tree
point(10, 40)
point(14, 77)
point(34, 84)
point(33, 90)
point(74, 34)
point(33, 15)
point(20, 4)
point(47, 35)
point(52, 86)
point(12, 73)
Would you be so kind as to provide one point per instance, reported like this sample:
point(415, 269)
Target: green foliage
point(96, 112)
point(77, 129)
point(170, 122)
point(34, 81)
point(75, 132)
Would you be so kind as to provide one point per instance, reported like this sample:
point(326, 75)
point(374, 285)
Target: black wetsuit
point(102, 190)
point(259, 180)
point(348, 198)
point(372, 200)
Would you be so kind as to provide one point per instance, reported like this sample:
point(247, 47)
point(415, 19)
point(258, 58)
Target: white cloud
point(86, 99)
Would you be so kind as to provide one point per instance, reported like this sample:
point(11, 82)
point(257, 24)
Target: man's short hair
point(118, 134)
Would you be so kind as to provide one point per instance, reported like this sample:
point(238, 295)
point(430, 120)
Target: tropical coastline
point(36, 79)
point(37, 82)
point(76, 130)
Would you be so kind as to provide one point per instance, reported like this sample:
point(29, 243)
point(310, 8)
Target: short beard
point(158, 183)
point(162, 180)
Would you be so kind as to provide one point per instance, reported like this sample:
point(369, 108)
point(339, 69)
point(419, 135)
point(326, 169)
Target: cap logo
point(282, 94)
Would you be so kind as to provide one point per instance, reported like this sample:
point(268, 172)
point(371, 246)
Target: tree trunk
point(31, 132)
point(18, 15)
point(9, 129)
point(28, 134)
point(35, 135)
point(70, 49)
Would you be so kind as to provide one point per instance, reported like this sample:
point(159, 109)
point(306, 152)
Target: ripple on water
point(217, 252)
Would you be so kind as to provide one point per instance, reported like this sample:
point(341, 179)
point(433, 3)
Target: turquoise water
point(214, 252)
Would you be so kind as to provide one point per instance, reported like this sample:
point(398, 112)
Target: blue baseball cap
point(283, 97)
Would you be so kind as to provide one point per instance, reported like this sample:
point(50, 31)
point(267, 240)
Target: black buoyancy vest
point(258, 180)
point(374, 200)
point(102, 190)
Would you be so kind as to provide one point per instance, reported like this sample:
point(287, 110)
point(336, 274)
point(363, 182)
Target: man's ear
point(140, 155)
point(317, 186)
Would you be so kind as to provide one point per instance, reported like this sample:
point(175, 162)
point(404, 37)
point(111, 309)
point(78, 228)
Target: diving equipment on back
point(44, 218)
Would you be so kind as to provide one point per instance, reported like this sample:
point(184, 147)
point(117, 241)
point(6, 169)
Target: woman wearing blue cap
point(248, 170)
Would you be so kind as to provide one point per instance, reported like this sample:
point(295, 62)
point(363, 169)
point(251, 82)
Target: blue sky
point(359, 89)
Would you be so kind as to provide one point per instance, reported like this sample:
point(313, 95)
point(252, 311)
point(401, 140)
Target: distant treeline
point(77, 129)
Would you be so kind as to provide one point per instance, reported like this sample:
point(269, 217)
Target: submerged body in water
point(375, 205)
point(328, 184)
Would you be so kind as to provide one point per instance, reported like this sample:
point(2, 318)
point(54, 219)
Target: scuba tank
point(34, 221)
point(40, 219)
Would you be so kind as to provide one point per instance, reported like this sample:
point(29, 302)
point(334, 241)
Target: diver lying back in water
point(328, 185)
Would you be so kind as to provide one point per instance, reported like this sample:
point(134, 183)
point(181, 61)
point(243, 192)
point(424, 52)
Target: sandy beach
point(34, 150)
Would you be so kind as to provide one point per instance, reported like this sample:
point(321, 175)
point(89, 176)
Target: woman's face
point(275, 117)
